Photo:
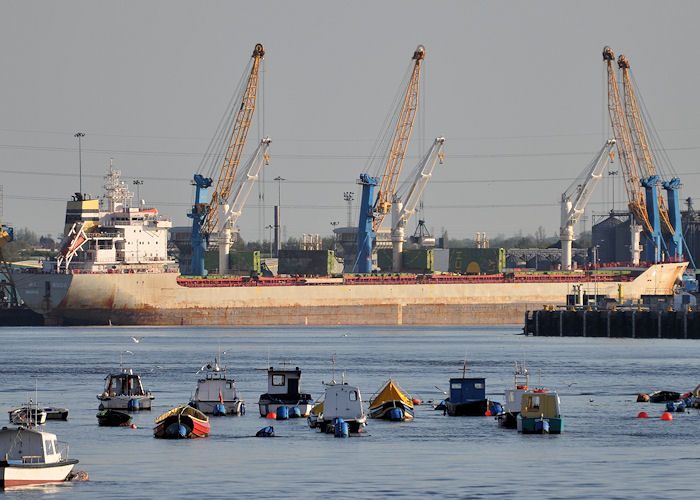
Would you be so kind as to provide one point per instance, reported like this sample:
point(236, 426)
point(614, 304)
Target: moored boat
point(54, 413)
point(284, 389)
point(391, 403)
point(27, 415)
point(342, 402)
point(113, 418)
point(467, 397)
point(182, 422)
point(124, 391)
point(30, 456)
point(513, 397)
point(215, 393)
point(540, 413)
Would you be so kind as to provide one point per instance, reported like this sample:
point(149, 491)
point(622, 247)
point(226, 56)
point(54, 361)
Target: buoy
point(182, 430)
point(219, 410)
point(666, 416)
point(295, 412)
point(341, 428)
point(396, 414)
point(133, 404)
point(680, 408)
point(268, 431)
point(272, 415)
point(415, 401)
point(282, 413)
point(670, 406)
point(133, 426)
point(642, 398)
point(642, 414)
point(488, 413)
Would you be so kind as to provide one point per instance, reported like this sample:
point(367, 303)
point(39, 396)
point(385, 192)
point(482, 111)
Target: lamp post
point(348, 196)
point(278, 216)
point(270, 227)
point(80, 136)
point(138, 183)
point(613, 173)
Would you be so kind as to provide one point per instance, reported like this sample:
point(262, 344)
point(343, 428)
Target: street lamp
point(138, 183)
point(279, 180)
point(270, 227)
point(80, 136)
point(613, 173)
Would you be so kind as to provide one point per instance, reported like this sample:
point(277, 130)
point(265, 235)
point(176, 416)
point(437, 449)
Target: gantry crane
point(645, 160)
point(401, 211)
point(7, 284)
point(373, 211)
point(577, 196)
point(626, 155)
point(207, 216)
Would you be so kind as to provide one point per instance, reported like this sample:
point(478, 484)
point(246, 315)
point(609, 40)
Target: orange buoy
point(488, 413)
point(415, 401)
point(272, 415)
point(642, 414)
point(133, 426)
point(666, 416)
point(642, 398)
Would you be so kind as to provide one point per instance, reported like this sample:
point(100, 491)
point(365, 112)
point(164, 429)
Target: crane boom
point(638, 136)
point(397, 153)
point(625, 153)
point(236, 143)
point(577, 196)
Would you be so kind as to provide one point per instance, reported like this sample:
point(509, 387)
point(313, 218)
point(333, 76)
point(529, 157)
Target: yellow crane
point(625, 150)
point(638, 136)
point(206, 216)
point(397, 153)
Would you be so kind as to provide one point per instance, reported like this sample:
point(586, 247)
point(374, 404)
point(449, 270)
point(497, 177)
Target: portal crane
point(205, 216)
point(625, 152)
point(8, 289)
point(400, 212)
point(638, 136)
point(577, 196)
point(373, 212)
point(233, 212)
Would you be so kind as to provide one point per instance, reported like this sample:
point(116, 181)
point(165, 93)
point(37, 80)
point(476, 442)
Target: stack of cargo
point(418, 261)
point(239, 263)
point(477, 260)
point(306, 262)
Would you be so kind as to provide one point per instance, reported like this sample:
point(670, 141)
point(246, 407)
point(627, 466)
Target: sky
point(518, 89)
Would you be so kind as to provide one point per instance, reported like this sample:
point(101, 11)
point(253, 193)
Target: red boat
point(181, 423)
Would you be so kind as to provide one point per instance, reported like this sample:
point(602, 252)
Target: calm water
point(605, 450)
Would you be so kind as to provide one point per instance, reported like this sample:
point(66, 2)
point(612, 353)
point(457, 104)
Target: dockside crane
point(577, 196)
point(374, 210)
point(8, 287)
point(626, 155)
point(208, 217)
point(645, 160)
point(401, 211)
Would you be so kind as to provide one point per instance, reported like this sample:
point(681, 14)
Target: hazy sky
point(517, 88)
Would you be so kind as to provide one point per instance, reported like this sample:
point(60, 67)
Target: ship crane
point(373, 211)
point(6, 236)
point(577, 196)
point(626, 155)
point(208, 217)
point(402, 212)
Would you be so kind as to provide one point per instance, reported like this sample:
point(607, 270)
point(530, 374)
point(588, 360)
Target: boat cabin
point(124, 384)
point(342, 401)
point(284, 382)
point(29, 446)
point(538, 404)
point(467, 389)
point(215, 385)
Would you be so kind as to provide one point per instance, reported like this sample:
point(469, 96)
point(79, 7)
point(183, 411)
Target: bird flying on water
point(137, 340)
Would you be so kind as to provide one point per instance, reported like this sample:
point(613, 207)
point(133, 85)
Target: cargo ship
point(113, 268)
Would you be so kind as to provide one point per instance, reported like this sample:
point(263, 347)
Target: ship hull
point(158, 299)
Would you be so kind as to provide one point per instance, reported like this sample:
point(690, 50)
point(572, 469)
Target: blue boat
point(467, 397)
point(539, 413)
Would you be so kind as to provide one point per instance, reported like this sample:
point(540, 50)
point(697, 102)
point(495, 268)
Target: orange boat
point(182, 422)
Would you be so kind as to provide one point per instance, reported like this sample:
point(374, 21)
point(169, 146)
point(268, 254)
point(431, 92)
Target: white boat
point(284, 389)
point(216, 394)
point(25, 415)
point(513, 397)
point(342, 401)
point(30, 456)
point(55, 413)
point(123, 391)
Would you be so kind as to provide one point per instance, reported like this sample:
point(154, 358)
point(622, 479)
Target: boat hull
point(26, 416)
point(383, 411)
point(508, 420)
point(159, 299)
point(56, 413)
point(528, 425)
point(113, 418)
point(355, 425)
point(232, 407)
point(123, 402)
point(26, 474)
point(468, 408)
point(270, 405)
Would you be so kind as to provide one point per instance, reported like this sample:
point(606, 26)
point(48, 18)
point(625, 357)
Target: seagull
point(346, 334)
point(159, 367)
point(569, 384)
point(202, 368)
point(137, 340)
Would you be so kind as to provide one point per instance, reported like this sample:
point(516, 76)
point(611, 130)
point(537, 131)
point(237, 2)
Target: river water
point(605, 450)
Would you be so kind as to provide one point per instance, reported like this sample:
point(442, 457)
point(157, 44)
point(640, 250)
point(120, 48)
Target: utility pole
point(80, 136)
point(278, 216)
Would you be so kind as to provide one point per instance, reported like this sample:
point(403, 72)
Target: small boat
point(539, 413)
point(113, 418)
point(467, 397)
point(342, 401)
point(284, 389)
point(316, 410)
point(28, 414)
point(663, 396)
point(513, 398)
point(215, 394)
point(53, 413)
point(391, 403)
point(123, 391)
point(182, 422)
point(31, 456)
